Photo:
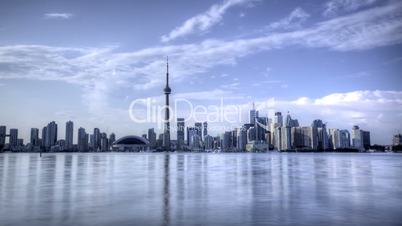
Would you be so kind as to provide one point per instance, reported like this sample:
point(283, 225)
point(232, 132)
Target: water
point(200, 189)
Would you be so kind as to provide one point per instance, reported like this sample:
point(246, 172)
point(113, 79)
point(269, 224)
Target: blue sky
point(337, 60)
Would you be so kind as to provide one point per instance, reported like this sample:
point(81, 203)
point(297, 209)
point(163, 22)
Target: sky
point(86, 61)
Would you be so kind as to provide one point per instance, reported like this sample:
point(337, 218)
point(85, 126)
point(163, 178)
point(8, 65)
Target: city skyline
point(338, 61)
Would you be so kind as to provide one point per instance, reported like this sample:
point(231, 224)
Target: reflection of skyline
point(186, 189)
point(166, 194)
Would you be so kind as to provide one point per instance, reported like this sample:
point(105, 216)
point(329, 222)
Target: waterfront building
point(241, 139)
point(3, 131)
point(198, 128)
point(104, 142)
point(344, 138)
point(319, 135)
point(131, 144)
point(112, 139)
point(261, 128)
point(180, 133)
point(286, 138)
point(51, 135)
point(278, 120)
point(69, 135)
point(96, 140)
point(357, 138)
point(366, 141)
point(152, 138)
point(278, 138)
point(227, 141)
point(190, 132)
point(43, 143)
point(291, 122)
point(253, 115)
point(34, 137)
point(205, 129)
point(208, 142)
point(13, 138)
point(82, 140)
point(334, 138)
point(251, 134)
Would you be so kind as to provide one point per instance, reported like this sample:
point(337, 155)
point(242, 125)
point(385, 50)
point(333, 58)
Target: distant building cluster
point(263, 134)
point(47, 140)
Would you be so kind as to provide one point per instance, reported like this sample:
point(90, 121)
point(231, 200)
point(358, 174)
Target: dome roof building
point(131, 143)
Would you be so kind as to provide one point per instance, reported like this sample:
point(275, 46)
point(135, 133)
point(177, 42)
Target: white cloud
point(333, 7)
point(204, 21)
point(58, 15)
point(295, 19)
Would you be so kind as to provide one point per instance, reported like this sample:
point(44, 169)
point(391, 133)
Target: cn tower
point(167, 91)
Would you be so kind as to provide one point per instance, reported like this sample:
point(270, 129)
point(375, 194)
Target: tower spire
point(167, 71)
point(167, 91)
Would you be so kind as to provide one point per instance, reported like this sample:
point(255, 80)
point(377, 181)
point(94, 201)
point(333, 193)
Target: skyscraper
point(251, 134)
point(34, 137)
point(166, 131)
point(44, 132)
point(112, 139)
point(198, 129)
point(366, 139)
point(241, 139)
point(152, 138)
point(193, 138)
point(104, 142)
point(286, 138)
point(227, 141)
point(96, 139)
point(357, 138)
point(51, 135)
point(208, 142)
point(278, 138)
point(2, 137)
point(278, 120)
point(344, 138)
point(253, 115)
point(261, 127)
point(180, 133)
point(13, 138)
point(82, 140)
point(319, 135)
point(69, 135)
point(205, 129)
point(291, 122)
point(334, 138)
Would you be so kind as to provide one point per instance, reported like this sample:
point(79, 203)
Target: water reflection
point(200, 189)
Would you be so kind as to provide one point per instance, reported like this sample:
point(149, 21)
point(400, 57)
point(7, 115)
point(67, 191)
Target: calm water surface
point(200, 189)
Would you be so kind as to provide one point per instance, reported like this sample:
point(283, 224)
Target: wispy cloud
point(204, 21)
point(58, 15)
point(295, 19)
point(333, 7)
